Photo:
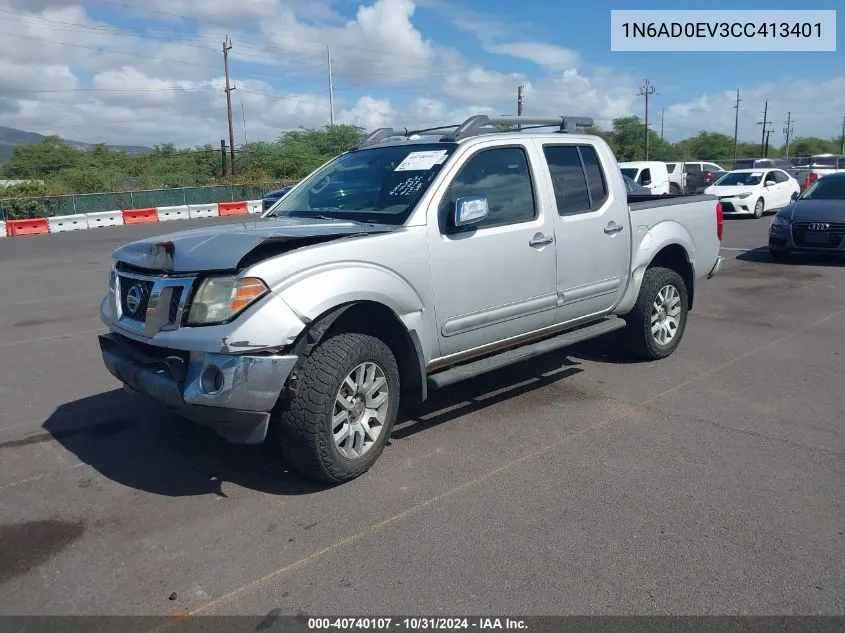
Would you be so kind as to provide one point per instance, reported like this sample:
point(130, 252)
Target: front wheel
point(759, 208)
point(656, 324)
point(339, 422)
point(674, 189)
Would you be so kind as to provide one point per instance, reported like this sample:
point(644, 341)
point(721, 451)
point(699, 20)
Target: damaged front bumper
point(231, 393)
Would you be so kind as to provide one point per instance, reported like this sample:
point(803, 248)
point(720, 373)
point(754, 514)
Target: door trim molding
point(499, 314)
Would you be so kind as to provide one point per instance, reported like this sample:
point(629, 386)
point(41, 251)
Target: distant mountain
point(10, 137)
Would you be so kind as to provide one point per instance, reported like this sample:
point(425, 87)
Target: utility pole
point(662, 115)
point(842, 138)
point(331, 87)
point(645, 91)
point(227, 46)
point(520, 104)
point(765, 122)
point(766, 151)
point(788, 130)
point(223, 155)
point(736, 123)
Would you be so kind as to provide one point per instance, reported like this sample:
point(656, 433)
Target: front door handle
point(540, 240)
point(613, 228)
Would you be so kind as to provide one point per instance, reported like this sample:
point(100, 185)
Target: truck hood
point(815, 211)
point(227, 246)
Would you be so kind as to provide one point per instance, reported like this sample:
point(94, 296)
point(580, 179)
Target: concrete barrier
point(139, 216)
point(63, 223)
point(166, 214)
point(203, 210)
point(104, 218)
point(37, 226)
point(2, 229)
point(232, 208)
point(255, 206)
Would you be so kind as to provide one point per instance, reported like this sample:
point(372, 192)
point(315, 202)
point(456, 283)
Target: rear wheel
point(657, 322)
point(759, 208)
point(339, 422)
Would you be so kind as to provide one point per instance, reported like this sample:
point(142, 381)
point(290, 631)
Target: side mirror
point(470, 210)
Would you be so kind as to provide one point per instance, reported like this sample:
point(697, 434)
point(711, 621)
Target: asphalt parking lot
point(707, 483)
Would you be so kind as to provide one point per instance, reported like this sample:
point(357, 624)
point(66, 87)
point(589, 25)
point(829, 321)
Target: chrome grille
point(148, 304)
point(802, 234)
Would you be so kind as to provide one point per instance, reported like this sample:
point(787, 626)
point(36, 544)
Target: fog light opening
point(211, 380)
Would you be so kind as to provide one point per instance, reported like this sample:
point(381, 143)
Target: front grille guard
point(164, 309)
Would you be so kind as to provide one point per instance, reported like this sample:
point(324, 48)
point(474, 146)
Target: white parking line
point(728, 248)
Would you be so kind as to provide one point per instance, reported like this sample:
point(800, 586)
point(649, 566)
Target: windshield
point(631, 172)
point(826, 189)
point(379, 185)
point(749, 178)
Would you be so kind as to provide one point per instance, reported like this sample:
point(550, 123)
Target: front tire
point(674, 189)
point(337, 425)
point(759, 208)
point(657, 322)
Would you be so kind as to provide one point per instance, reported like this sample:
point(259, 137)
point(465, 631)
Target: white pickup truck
point(413, 261)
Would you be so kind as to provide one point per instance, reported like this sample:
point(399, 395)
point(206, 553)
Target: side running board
point(524, 352)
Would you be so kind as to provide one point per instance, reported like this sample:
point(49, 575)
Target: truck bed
point(639, 202)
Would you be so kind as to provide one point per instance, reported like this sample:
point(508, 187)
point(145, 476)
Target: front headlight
point(779, 223)
point(744, 195)
point(222, 298)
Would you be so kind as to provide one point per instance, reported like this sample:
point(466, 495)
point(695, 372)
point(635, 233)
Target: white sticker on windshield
point(757, 173)
point(421, 161)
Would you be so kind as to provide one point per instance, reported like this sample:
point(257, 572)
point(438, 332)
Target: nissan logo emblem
point(818, 226)
point(133, 298)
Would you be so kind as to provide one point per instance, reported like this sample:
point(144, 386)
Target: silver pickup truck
point(413, 261)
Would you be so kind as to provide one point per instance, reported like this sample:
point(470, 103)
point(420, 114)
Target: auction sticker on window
point(421, 161)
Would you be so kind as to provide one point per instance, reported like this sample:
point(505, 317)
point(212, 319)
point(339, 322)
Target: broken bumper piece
point(231, 393)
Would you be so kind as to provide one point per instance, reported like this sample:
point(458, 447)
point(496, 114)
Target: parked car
point(692, 177)
point(815, 223)
point(754, 191)
point(651, 174)
point(807, 170)
point(761, 163)
point(273, 197)
point(480, 250)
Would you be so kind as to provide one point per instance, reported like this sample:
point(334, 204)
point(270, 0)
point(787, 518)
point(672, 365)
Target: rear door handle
point(613, 228)
point(540, 240)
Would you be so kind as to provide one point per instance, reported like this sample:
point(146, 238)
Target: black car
point(814, 223)
point(274, 196)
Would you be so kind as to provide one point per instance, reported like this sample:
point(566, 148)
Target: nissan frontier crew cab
point(410, 262)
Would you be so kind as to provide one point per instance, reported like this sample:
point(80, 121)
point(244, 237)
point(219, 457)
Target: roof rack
point(477, 125)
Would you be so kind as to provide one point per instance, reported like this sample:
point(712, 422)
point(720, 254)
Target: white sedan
point(754, 191)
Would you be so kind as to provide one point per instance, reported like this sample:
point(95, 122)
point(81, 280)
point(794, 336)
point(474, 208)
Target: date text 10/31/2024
point(416, 624)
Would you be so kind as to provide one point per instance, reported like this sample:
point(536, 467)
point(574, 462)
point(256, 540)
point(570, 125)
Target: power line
point(788, 130)
point(736, 123)
point(331, 87)
point(227, 46)
point(645, 91)
point(765, 122)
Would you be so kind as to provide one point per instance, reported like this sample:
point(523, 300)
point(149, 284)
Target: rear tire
point(349, 390)
point(759, 208)
point(655, 326)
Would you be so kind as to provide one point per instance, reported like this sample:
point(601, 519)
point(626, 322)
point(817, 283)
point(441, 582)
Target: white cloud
point(546, 55)
point(816, 107)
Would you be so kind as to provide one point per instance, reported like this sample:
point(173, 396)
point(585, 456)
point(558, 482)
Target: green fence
point(50, 206)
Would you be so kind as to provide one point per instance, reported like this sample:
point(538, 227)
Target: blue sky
point(100, 64)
